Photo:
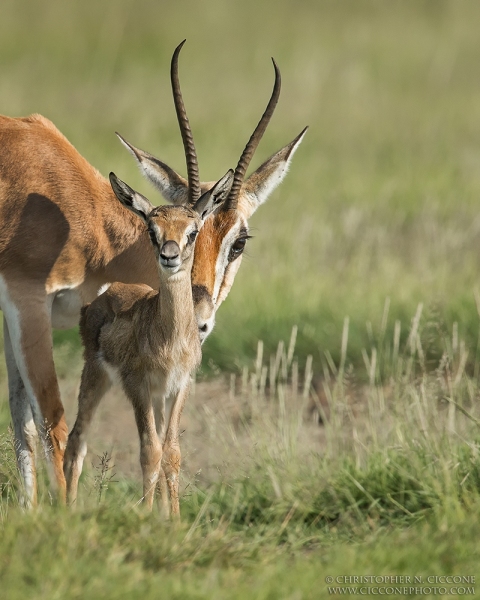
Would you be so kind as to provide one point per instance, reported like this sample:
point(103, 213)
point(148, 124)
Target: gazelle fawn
point(149, 341)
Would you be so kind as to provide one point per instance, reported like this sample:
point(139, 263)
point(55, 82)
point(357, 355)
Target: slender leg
point(29, 330)
point(94, 384)
point(160, 421)
point(150, 447)
point(162, 489)
point(172, 457)
point(25, 432)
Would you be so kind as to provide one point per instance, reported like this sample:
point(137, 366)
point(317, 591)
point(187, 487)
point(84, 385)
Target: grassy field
point(370, 247)
point(272, 504)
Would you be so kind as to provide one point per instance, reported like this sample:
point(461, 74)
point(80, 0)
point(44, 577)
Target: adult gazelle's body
point(63, 235)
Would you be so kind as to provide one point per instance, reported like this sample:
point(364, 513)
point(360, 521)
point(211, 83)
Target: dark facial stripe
point(199, 293)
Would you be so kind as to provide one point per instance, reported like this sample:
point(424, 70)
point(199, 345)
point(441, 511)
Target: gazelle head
point(221, 242)
point(173, 230)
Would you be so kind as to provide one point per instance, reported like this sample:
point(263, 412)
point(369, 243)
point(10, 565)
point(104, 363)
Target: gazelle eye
point(152, 236)
point(237, 248)
point(192, 236)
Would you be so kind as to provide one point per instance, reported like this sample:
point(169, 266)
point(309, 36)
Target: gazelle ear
point(170, 184)
point(130, 198)
point(215, 197)
point(270, 174)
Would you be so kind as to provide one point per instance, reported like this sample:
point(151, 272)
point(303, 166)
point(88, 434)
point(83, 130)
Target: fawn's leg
point(160, 421)
point(172, 457)
point(94, 384)
point(137, 390)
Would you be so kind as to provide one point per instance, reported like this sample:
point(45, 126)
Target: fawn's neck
point(175, 306)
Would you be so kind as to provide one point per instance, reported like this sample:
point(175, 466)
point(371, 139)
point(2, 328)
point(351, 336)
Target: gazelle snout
point(204, 311)
point(170, 255)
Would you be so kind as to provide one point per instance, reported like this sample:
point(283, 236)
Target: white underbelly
point(112, 372)
point(159, 385)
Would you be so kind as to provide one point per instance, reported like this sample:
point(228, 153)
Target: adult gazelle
point(63, 236)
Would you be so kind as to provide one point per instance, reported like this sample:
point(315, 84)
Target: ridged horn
point(194, 190)
point(253, 142)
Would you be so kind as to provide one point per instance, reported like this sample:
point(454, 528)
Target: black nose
point(204, 328)
point(170, 250)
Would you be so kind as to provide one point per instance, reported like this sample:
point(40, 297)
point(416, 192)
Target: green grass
point(393, 488)
point(88, 557)
point(381, 200)
point(377, 217)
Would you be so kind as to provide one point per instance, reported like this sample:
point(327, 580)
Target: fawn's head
point(173, 229)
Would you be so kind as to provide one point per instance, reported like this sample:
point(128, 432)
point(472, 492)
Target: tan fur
point(62, 236)
point(150, 338)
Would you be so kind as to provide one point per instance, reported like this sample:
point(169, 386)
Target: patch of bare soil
point(219, 428)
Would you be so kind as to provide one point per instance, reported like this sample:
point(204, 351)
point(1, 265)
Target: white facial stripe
point(192, 229)
point(222, 259)
point(228, 278)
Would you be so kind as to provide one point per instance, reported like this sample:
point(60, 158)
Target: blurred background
point(382, 198)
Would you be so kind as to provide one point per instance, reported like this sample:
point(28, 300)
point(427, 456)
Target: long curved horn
point(194, 190)
point(254, 141)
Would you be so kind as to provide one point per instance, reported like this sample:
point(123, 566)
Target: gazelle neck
point(175, 311)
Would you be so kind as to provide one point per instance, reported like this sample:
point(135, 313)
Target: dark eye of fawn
point(153, 237)
point(237, 248)
point(192, 236)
